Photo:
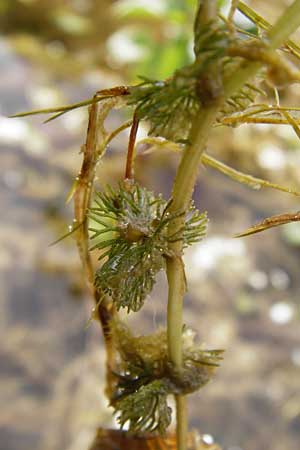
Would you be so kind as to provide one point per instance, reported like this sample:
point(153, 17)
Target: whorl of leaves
point(243, 98)
point(210, 41)
point(138, 224)
point(171, 105)
point(146, 409)
point(146, 377)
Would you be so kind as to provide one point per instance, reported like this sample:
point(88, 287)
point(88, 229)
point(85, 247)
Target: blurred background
point(243, 294)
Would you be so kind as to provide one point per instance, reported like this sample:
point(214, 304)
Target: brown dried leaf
point(270, 222)
point(122, 440)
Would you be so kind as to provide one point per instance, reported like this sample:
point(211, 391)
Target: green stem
point(285, 25)
point(181, 418)
point(182, 193)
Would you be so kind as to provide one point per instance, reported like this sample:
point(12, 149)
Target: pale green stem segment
point(182, 193)
point(285, 26)
point(181, 418)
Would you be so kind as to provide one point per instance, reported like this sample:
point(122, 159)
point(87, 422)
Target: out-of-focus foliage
point(112, 439)
point(66, 37)
point(130, 37)
point(159, 33)
point(163, 43)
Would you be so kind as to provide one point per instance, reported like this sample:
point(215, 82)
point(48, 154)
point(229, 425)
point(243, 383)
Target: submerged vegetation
point(137, 233)
point(139, 243)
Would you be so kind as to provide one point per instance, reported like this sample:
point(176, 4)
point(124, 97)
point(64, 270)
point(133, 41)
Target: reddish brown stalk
point(129, 172)
point(270, 222)
point(107, 439)
point(114, 92)
point(82, 199)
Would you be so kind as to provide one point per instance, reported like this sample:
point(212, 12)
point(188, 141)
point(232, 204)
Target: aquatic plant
point(137, 233)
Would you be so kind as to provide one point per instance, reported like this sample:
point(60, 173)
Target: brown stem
point(114, 92)
point(129, 172)
point(82, 200)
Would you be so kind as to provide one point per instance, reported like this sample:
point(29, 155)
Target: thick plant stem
point(182, 193)
point(285, 26)
point(181, 418)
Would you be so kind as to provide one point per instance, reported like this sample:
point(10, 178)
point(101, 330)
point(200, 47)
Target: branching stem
point(183, 189)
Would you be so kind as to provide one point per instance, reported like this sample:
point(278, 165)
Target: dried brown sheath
point(271, 222)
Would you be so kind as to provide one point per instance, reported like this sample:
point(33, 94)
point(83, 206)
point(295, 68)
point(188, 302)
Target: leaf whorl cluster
point(171, 105)
point(244, 97)
point(210, 41)
point(146, 376)
point(145, 409)
point(135, 252)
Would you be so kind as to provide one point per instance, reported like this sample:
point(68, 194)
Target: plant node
point(137, 225)
point(146, 376)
